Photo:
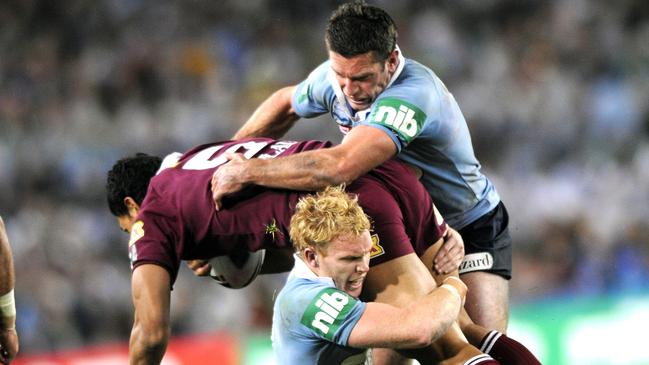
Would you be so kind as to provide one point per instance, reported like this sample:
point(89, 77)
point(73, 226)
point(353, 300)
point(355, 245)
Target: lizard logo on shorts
point(377, 249)
point(400, 116)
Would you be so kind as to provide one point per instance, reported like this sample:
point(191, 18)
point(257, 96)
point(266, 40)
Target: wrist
point(8, 311)
point(7, 305)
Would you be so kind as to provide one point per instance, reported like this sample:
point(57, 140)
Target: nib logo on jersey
point(327, 311)
point(476, 261)
point(400, 116)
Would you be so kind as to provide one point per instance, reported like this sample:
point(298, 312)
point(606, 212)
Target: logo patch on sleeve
point(137, 232)
point(305, 91)
point(327, 311)
point(402, 117)
point(377, 249)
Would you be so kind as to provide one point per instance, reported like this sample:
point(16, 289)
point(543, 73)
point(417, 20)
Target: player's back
point(421, 221)
point(180, 196)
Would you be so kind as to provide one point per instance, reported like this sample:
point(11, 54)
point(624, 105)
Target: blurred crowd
point(556, 94)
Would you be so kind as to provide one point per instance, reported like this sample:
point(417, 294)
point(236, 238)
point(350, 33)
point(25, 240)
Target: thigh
point(487, 301)
point(488, 244)
point(486, 268)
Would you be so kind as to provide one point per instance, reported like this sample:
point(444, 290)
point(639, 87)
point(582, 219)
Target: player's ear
point(393, 60)
point(311, 257)
point(132, 206)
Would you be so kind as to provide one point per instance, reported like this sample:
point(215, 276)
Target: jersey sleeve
point(149, 245)
point(330, 314)
point(313, 96)
point(404, 110)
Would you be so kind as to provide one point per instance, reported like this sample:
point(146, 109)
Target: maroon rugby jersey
point(178, 221)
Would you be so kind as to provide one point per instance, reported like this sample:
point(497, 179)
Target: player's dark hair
point(130, 176)
point(357, 28)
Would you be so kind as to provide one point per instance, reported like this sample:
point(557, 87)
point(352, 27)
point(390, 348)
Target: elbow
point(155, 341)
point(151, 338)
point(343, 173)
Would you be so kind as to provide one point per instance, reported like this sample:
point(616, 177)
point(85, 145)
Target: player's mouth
point(355, 284)
point(358, 102)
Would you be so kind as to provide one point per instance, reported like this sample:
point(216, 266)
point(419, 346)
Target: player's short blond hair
point(322, 217)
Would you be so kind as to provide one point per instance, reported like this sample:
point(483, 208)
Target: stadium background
point(556, 94)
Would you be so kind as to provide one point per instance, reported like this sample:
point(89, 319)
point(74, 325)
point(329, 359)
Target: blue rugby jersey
point(312, 321)
point(425, 122)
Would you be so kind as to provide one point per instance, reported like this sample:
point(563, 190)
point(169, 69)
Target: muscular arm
point(362, 149)
point(273, 118)
point(8, 335)
point(151, 292)
point(7, 279)
point(414, 326)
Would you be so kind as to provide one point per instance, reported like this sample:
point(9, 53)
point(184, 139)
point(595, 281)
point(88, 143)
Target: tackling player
point(387, 105)
point(317, 317)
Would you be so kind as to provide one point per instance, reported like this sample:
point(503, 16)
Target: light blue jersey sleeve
point(314, 96)
point(312, 322)
point(412, 106)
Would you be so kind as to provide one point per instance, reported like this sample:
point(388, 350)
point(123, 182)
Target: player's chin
point(359, 105)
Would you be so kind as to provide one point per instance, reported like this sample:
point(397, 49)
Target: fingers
point(199, 267)
point(221, 183)
point(9, 349)
point(450, 255)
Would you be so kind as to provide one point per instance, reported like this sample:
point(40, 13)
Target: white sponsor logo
point(476, 262)
point(403, 119)
point(330, 306)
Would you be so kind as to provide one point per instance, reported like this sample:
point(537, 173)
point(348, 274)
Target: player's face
point(361, 77)
point(346, 261)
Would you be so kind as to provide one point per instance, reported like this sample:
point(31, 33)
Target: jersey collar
point(402, 63)
point(302, 270)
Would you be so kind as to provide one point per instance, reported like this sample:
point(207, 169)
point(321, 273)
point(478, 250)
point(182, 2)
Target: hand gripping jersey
point(178, 221)
point(312, 321)
point(425, 123)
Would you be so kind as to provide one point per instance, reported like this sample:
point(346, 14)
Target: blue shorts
point(488, 244)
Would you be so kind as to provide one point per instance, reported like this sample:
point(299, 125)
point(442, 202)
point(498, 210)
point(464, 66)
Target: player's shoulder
point(416, 84)
point(299, 291)
point(318, 77)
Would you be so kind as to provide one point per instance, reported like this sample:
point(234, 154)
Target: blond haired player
point(317, 316)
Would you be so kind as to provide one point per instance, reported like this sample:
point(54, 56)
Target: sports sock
point(506, 350)
point(483, 359)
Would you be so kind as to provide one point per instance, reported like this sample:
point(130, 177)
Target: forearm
point(432, 316)
point(7, 279)
point(311, 170)
point(7, 283)
point(273, 118)
point(151, 285)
